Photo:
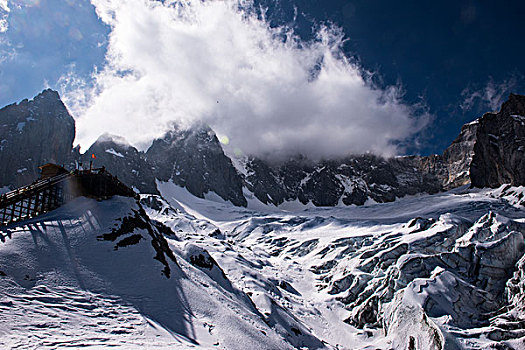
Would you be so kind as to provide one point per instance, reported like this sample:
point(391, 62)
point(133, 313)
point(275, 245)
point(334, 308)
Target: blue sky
point(45, 39)
point(443, 51)
point(438, 65)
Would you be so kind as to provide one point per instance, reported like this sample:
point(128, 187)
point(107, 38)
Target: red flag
point(93, 156)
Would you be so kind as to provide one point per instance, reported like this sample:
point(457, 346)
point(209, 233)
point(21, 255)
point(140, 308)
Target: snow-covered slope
point(102, 274)
point(424, 272)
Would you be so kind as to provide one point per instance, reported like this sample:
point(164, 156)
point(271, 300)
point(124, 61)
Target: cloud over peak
point(219, 63)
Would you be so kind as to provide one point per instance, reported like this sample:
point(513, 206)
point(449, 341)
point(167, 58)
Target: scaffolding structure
point(49, 193)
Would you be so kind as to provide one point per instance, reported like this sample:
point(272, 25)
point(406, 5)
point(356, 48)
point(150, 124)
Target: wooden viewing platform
point(56, 188)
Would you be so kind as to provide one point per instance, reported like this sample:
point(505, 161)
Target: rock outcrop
point(499, 152)
point(452, 167)
point(32, 133)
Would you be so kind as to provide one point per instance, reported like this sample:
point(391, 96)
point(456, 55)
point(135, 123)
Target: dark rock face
point(265, 182)
point(453, 166)
point(489, 152)
point(122, 160)
point(321, 187)
point(33, 133)
point(193, 158)
point(499, 152)
point(458, 156)
point(352, 180)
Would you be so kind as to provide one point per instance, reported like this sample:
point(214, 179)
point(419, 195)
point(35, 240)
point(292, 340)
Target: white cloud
point(492, 95)
point(3, 5)
point(209, 61)
point(4, 12)
point(3, 24)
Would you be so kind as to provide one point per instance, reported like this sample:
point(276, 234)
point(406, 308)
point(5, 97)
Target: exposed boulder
point(200, 258)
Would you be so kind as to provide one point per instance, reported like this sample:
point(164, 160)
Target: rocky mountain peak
point(193, 158)
point(499, 152)
point(32, 133)
point(515, 105)
point(123, 160)
point(48, 94)
point(113, 139)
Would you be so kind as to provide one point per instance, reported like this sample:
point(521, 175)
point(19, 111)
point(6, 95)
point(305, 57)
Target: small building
point(50, 170)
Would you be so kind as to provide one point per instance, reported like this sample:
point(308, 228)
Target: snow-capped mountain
point(104, 274)
point(194, 159)
point(353, 180)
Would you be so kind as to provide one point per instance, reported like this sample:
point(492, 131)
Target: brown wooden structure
point(51, 170)
point(57, 187)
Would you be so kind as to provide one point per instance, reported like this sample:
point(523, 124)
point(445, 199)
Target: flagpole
point(91, 161)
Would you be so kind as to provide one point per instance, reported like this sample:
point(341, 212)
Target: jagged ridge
point(487, 152)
